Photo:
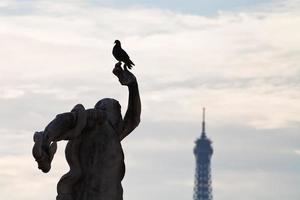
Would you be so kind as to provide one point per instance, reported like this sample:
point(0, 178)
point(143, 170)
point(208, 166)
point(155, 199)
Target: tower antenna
point(203, 123)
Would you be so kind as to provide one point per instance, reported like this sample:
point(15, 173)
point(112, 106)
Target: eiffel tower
point(203, 152)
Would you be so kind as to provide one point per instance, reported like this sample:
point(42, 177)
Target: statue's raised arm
point(133, 113)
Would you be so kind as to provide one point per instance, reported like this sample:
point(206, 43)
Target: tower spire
point(203, 134)
point(203, 152)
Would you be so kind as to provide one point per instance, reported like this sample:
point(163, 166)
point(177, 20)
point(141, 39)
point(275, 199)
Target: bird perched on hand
point(121, 55)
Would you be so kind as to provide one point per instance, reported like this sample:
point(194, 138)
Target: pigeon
point(121, 55)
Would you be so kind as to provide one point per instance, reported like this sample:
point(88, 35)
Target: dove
point(121, 55)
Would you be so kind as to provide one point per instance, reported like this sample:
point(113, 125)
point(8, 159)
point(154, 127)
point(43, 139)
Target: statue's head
point(112, 109)
point(117, 42)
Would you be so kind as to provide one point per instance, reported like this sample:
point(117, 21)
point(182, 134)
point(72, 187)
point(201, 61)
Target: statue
point(93, 152)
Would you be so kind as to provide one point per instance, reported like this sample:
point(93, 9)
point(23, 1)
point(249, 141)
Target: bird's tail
point(129, 64)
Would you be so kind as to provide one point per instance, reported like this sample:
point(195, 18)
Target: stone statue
point(93, 152)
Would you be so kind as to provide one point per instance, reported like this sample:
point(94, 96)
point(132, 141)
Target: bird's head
point(117, 42)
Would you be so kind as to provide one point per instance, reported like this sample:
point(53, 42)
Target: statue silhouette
point(94, 151)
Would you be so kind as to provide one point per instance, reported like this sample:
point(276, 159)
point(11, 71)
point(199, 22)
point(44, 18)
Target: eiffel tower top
point(203, 133)
point(203, 144)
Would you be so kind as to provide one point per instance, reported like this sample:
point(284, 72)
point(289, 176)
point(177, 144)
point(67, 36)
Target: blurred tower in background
point(203, 152)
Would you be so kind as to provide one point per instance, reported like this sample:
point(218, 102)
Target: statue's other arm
point(65, 126)
point(133, 113)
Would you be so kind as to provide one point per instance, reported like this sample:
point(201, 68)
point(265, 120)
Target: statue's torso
point(101, 161)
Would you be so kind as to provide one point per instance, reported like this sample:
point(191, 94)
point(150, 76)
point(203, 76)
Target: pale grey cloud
point(223, 43)
point(243, 66)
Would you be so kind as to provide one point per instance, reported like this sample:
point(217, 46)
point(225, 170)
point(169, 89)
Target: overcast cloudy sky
point(238, 58)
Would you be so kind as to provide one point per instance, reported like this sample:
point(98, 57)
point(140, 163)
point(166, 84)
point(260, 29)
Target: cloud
point(254, 181)
point(243, 66)
point(243, 57)
point(297, 152)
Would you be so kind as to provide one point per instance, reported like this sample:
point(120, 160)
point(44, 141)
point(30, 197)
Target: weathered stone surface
point(94, 152)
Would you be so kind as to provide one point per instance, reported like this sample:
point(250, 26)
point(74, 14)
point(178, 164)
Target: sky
point(238, 58)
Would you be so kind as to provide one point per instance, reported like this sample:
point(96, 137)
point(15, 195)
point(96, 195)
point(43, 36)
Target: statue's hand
point(43, 153)
point(125, 76)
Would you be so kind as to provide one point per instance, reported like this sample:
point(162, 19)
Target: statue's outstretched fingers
point(117, 70)
point(119, 64)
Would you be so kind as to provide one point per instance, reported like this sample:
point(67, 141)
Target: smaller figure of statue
point(93, 152)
